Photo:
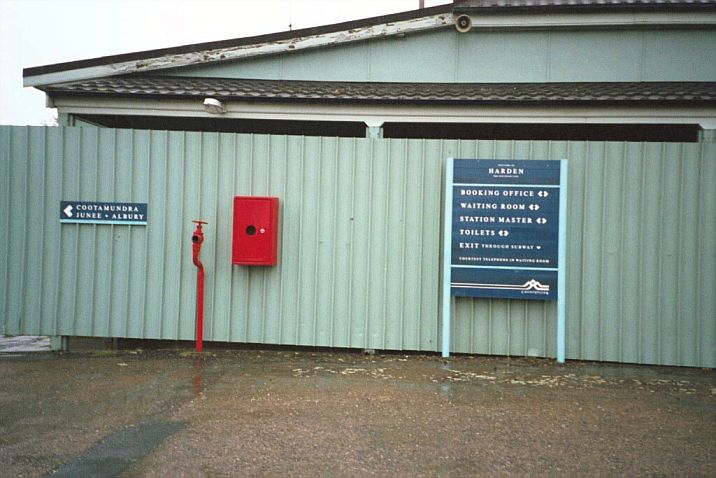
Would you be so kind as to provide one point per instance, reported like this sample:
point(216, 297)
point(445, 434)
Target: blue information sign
point(505, 229)
point(103, 213)
point(504, 235)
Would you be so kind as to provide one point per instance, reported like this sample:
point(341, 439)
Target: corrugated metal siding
point(359, 245)
point(355, 245)
point(641, 264)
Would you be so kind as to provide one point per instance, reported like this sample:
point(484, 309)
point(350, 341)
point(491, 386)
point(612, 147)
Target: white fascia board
point(379, 114)
point(482, 22)
point(243, 52)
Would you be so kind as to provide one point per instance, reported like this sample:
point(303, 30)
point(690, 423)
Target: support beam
point(60, 343)
point(374, 129)
point(707, 135)
point(65, 119)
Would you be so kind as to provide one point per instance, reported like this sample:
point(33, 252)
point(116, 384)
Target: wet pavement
point(300, 413)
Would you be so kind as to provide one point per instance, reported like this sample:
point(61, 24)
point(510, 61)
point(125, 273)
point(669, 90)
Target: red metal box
point(255, 234)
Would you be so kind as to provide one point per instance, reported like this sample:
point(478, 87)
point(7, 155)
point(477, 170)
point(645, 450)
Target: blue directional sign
point(505, 229)
point(103, 213)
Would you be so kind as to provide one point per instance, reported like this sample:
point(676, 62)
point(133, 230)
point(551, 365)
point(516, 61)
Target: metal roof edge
point(243, 42)
point(567, 6)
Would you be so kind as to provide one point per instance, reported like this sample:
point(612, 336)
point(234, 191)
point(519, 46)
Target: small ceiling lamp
point(214, 106)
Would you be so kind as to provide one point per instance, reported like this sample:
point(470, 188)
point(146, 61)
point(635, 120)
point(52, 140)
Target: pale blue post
point(447, 257)
point(562, 263)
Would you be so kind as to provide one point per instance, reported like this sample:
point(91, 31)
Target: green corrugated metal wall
point(486, 56)
point(359, 247)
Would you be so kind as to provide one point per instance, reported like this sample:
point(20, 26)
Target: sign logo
point(81, 212)
point(527, 286)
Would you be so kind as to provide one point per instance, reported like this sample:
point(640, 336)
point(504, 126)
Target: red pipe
point(197, 238)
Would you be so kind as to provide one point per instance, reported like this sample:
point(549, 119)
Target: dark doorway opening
point(556, 132)
point(356, 129)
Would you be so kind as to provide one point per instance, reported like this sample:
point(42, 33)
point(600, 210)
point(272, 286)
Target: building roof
point(343, 92)
point(467, 6)
point(399, 24)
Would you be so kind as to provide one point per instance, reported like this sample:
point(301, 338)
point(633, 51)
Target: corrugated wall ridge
point(359, 244)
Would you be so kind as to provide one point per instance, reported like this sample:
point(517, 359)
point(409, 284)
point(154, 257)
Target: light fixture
point(214, 106)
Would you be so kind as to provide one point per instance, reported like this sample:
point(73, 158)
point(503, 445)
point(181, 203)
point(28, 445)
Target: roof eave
point(557, 102)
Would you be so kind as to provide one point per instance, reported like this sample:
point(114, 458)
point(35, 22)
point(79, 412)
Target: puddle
point(117, 452)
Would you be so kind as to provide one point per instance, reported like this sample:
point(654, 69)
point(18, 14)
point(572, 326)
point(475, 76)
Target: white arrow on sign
point(68, 210)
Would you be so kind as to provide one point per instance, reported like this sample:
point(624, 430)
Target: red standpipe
point(197, 238)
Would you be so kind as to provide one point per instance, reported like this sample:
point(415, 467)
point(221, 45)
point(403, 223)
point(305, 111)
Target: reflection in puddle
point(196, 380)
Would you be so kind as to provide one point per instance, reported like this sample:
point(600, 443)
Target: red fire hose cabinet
point(255, 233)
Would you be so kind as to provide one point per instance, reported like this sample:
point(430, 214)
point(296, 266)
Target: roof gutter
point(515, 20)
point(575, 7)
point(381, 113)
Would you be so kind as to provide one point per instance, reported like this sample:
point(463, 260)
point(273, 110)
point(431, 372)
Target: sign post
point(447, 258)
point(562, 273)
point(504, 234)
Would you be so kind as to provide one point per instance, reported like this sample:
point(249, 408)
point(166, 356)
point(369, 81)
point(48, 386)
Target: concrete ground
point(224, 413)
